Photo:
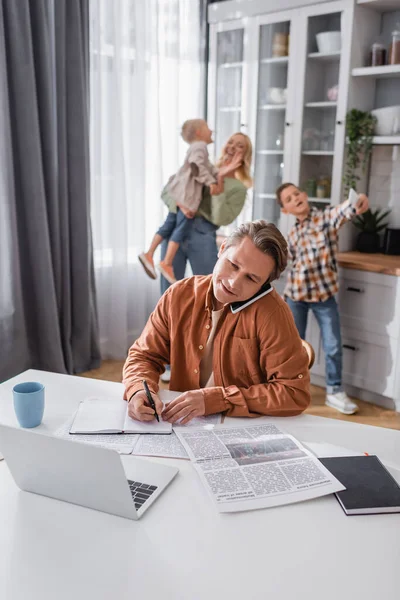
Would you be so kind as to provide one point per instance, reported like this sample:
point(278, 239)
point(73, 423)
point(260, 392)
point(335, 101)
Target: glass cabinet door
point(321, 93)
point(272, 95)
point(229, 63)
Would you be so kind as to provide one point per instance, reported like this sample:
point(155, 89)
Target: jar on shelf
point(323, 187)
point(310, 187)
point(377, 55)
point(280, 45)
point(394, 48)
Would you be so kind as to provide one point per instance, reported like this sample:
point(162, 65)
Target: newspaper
point(169, 446)
point(258, 466)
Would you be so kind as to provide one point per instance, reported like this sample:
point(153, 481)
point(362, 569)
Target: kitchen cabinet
point(369, 306)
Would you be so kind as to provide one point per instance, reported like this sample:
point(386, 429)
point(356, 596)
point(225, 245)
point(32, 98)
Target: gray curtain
point(44, 84)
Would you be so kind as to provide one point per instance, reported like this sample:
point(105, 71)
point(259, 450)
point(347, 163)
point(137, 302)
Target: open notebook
point(110, 415)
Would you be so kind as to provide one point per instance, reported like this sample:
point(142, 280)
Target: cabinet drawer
point(369, 365)
point(367, 301)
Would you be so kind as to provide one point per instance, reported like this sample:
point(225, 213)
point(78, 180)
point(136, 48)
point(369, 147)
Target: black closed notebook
point(370, 488)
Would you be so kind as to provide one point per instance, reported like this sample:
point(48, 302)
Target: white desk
point(182, 549)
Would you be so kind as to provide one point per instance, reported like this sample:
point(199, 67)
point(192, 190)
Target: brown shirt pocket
point(246, 354)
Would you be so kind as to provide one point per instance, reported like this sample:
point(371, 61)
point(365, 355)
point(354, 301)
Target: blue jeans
point(199, 248)
point(327, 315)
point(176, 227)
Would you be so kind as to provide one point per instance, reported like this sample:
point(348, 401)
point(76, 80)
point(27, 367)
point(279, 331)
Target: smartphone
point(353, 197)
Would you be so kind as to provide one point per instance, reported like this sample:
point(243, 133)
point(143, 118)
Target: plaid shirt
point(313, 244)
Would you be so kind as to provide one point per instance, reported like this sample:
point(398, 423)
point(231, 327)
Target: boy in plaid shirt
point(313, 278)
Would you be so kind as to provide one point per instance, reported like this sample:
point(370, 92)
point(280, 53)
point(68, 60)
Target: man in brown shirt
point(229, 337)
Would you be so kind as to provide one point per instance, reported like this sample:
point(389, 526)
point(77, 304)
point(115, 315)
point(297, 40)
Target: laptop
point(83, 474)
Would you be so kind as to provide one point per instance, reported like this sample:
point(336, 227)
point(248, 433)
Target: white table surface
point(183, 548)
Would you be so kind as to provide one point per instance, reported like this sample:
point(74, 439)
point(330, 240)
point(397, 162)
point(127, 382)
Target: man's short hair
point(267, 238)
point(280, 189)
point(190, 128)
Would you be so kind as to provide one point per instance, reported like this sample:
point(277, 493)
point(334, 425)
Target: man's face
point(240, 272)
point(294, 201)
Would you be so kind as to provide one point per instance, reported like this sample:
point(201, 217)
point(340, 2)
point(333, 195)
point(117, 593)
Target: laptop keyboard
point(140, 492)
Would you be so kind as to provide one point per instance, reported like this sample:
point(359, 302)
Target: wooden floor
point(369, 414)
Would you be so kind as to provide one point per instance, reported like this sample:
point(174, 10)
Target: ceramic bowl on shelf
point(329, 41)
point(388, 120)
point(332, 93)
point(277, 95)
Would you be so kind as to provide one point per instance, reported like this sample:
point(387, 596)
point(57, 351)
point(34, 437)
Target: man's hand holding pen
point(139, 407)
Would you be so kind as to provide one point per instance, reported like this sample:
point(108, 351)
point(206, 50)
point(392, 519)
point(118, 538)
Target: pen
point(150, 398)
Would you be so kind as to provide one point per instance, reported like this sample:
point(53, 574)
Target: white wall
point(384, 182)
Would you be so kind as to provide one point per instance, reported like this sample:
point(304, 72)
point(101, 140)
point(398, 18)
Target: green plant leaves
point(371, 220)
point(359, 132)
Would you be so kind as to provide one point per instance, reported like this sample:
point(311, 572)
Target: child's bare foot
point(167, 271)
point(148, 264)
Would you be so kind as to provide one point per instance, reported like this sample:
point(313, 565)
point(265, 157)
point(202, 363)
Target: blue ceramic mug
point(29, 403)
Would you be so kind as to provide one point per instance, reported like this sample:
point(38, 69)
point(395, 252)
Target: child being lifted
point(185, 187)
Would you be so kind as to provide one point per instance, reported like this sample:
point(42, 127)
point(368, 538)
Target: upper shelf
point(386, 140)
point(318, 152)
point(230, 65)
point(230, 108)
point(272, 107)
point(320, 104)
point(377, 72)
point(325, 56)
point(275, 60)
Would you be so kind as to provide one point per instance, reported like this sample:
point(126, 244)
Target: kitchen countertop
point(376, 263)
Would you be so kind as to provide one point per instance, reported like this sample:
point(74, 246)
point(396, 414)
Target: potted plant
point(370, 224)
point(359, 132)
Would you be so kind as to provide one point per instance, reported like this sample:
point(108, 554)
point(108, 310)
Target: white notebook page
point(146, 427)
point(99, 414)
point(110, 415)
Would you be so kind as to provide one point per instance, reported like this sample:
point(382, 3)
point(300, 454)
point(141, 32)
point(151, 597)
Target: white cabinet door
point(369, 362)
point(228, 82)
point(228, 91)
point(272, 99)
point(322, 93)
point(370, 302)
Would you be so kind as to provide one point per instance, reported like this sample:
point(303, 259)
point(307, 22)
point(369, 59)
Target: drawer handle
point(354, 289)
point(354, 348)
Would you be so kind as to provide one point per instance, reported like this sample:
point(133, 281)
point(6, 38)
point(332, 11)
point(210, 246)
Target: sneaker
point(166, 376)
point(148, 265)
point(341, 402)
point(167, 271)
